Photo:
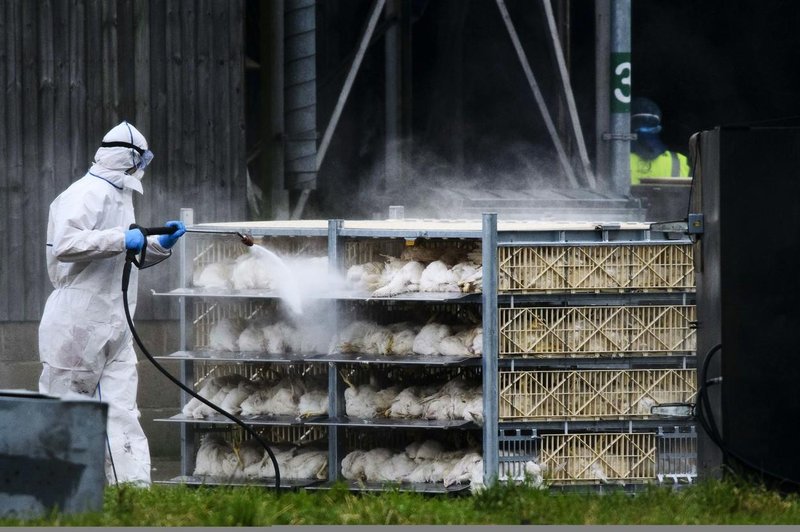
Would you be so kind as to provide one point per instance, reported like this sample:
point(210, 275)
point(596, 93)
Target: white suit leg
point(129, 448)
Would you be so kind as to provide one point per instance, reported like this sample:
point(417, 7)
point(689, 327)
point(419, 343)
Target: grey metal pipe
point(273, 184)
point(491, 415)
point(336, 404)
point(187, 430)
point(621, 96)
point(300, 94)
point(602, 67)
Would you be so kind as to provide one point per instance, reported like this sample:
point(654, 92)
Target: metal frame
point(491, 239)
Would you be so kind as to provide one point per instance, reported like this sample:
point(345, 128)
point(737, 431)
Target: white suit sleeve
point(75, 240)
point(155, 251)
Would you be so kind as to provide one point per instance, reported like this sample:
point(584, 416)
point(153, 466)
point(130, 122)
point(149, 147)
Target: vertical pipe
point(335, 384)
point(276, 197)
point(393, 64)
point(490, 349)
point(602, 67)
point(186, 366)
point(300, 96)
point(621, 95)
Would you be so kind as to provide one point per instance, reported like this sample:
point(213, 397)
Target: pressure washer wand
point(130, 256)
point(247, 240)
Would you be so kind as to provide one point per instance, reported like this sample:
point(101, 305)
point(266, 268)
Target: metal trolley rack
point(585, 327)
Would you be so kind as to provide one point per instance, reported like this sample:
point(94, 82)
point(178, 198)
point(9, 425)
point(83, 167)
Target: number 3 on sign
point(623, 91)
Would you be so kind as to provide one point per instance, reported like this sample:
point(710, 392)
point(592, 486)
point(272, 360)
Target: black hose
point(130, 259)
point(705, 415)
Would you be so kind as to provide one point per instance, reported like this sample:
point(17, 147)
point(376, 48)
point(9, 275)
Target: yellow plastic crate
point(596, 331)
point(599, 457)
point(617, 268)
point(591, 394)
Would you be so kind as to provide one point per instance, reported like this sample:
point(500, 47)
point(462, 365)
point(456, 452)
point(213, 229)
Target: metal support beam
point(602, 69)
point(620, 134)
point(537, 94)
point(297, 212)
point(393, 54)
point(374, 15)
point(491, 393)
point(300, 97)
point(275, 205)
point(186, 366)
point(566, 86)
point(336, 406)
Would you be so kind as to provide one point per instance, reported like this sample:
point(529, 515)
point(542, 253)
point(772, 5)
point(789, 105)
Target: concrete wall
point(158, 397)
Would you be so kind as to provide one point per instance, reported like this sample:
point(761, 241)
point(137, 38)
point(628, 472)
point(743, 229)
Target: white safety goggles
point(145, 156)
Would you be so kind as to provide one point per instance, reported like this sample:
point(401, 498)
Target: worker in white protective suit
point(85, 344)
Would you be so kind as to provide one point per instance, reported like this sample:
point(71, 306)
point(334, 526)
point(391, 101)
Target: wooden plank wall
point(71, 70)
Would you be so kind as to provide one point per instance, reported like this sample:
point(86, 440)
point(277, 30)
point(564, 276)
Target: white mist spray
point(285, 282)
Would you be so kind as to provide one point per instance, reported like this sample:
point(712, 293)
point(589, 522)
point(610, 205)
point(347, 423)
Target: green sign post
point(620, 82)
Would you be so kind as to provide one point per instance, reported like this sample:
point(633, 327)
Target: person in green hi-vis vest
point(649, 156)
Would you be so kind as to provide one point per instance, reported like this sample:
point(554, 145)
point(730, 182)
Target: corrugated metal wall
point(71, 70)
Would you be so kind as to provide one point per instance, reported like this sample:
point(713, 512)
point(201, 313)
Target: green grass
point(712, 502)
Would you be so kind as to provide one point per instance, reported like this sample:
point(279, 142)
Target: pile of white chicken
point(456, 399)
point(404, 338)
point(427, 461)
point(236, 394)
point(419, 269)
point(250, 271)
point(275, 338)
point(421, 461)
point(249, 460)
point(360, 336)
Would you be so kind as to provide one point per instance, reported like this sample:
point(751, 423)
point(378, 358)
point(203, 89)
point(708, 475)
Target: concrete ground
point(164, 468)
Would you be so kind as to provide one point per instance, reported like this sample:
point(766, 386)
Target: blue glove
point(167, 241)
point(134, 240)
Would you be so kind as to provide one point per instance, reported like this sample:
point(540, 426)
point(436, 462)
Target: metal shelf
point(600, 299)
point(605, 425)
point(393, 423)
point(266, 482)
point(339, 295)
point(408, 360)
point(555, 298)
point(324, 421)
point(261, 420)
point(676, 360)
point(341, 358)
point(242, 356)
point(419, 487)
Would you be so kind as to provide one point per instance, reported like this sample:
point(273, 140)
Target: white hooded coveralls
point(84, 342)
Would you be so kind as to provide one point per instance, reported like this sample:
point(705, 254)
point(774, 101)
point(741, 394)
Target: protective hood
point(121, 146)
point(646, 123)
point(119, 152)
